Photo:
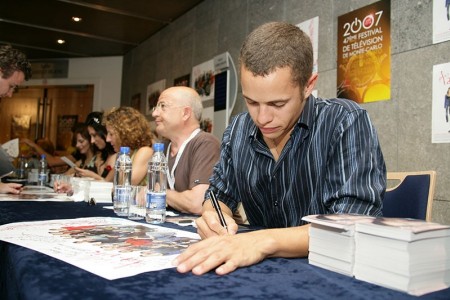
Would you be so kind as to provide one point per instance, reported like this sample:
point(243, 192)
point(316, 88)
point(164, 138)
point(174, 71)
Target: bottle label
point(121, 194)
point(42, 177)
point(156, 200)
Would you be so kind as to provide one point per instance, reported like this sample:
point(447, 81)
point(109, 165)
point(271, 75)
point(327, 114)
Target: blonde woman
point(126, 126)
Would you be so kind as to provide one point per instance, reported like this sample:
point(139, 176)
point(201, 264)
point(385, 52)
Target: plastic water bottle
point(122, 182)
point(43, 171)
point(157, 184)
point(22, 168)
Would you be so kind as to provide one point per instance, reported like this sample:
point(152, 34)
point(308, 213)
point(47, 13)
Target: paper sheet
point(108, 247)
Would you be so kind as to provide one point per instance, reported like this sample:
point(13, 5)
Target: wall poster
point(364, 54)
point(182, 80)
point(441, 21)
point(440, 120)
point(203, 81)
point(153, 91)
point(311, 28)
point(136, 101)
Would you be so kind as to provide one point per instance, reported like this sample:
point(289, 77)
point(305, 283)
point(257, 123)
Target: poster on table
point(203, 82)
point(108, 247)
point(441, 21)
point(153, 91)
point(364, 54)
point(440, 120)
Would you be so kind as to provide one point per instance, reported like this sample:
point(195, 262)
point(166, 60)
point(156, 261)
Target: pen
point(216, 206)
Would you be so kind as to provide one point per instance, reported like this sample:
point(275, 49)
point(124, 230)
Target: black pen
point(216, 206)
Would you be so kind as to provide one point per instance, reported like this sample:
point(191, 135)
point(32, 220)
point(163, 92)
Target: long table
point(28, 274)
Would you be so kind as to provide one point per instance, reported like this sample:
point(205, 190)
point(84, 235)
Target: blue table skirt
point(27, 274)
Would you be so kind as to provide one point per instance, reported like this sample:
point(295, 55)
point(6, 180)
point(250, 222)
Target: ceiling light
point(60, 41)
point(76, 19)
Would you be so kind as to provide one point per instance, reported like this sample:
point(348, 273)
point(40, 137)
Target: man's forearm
point(187, 202)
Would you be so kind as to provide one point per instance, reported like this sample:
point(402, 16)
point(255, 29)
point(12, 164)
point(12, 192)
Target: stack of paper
point(331, 241)
point(100, 191)
point(408, 255)
point(403, 254)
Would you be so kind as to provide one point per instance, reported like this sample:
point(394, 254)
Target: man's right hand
point(209, 224)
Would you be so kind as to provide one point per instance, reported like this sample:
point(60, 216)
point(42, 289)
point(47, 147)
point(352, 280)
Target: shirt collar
point(307, 116)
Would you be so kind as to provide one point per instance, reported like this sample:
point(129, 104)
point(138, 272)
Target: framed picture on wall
point(440, 123)
point(64, 131)
point(203, 79)
point(182, 80)
point(441, 21)
point(153, 92)
point(136, 101)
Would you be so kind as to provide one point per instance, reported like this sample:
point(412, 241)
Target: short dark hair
point(277, 45)
point(12, 60)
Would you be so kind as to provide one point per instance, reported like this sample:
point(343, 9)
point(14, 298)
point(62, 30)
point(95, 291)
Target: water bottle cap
point(158, 147)
point(125, 150)
point(42, 155)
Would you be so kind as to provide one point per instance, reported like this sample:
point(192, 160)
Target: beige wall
point(403, 123)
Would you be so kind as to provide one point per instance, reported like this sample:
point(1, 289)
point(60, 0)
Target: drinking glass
point(136, 203)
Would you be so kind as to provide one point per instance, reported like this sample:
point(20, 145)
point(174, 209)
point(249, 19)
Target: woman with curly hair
point(126, 126)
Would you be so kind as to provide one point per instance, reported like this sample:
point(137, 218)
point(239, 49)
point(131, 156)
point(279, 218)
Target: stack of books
point(331, 241)
point(407, 255)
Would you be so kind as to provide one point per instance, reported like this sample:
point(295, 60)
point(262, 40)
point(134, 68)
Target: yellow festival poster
point(364, 54)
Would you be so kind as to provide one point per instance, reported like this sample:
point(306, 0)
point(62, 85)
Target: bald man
point(191, 152)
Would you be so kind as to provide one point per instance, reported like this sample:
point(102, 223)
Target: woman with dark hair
point(90, 159)
point(97, 137)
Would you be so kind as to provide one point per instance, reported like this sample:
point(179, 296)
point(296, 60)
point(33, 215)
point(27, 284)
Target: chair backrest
point(412, 197)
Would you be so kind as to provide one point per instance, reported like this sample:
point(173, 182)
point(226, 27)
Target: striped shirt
point(332, 163)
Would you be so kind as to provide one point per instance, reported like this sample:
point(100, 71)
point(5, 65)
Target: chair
point(412, 197)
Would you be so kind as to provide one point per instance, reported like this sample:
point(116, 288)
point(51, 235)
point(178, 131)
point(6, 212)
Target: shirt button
point(276, 203)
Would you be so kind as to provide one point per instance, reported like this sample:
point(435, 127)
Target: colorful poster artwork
point(153, 91)
point(364, 54)
point(108, 247)
point(182, 80)
point(203, 81)
point(311, 28)
point(440, 121)
point(441, 21)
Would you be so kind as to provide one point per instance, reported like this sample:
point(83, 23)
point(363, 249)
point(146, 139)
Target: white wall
point(105, 73)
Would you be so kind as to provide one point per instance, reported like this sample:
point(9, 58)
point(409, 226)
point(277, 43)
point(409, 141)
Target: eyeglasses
point(163, 106)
